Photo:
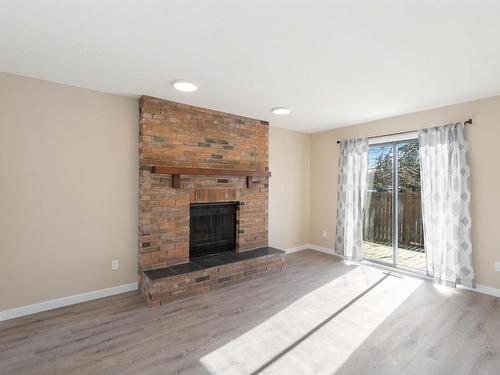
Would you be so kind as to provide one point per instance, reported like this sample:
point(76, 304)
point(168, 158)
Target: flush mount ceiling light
point(184, 86)
point(281, 111)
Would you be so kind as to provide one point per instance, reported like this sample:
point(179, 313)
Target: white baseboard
point(327, 250)
point(291, 250)
point(479, 288)
point(311, 247)
point(483, 289)
point(96, 294)
point(65, 301)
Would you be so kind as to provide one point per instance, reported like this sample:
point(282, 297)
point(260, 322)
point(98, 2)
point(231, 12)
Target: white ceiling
point(334, 64)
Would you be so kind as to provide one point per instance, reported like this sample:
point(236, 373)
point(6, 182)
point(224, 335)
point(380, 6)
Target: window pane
point(411, 251)
point(377, 228)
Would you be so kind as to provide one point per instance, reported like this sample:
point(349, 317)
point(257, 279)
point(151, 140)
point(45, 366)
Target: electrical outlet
point(325, 234)
point(115, 264)
point(497, 266)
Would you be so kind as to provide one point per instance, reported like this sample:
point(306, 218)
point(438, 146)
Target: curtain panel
point(352, 177)
point(446, 204)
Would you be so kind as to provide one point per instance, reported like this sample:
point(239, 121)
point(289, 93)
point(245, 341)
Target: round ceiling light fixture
point(281, 111)
point(184, 86)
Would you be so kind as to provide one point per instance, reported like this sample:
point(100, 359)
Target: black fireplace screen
point(212, 228)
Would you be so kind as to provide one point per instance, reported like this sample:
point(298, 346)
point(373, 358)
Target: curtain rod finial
point(469, 122)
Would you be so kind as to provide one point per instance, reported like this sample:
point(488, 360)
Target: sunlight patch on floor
point(304, 338)
point(445, 290)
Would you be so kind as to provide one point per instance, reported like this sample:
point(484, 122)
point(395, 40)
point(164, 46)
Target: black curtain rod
point(468, 122)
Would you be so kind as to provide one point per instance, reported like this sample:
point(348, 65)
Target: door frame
point(395, 203)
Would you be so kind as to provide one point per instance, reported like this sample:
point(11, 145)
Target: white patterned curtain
point(445, 170)
point(353, 170)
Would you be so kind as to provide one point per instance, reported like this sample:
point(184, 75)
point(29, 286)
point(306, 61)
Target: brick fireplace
point(190, 156)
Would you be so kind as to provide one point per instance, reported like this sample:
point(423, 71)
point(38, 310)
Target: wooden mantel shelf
point(176, 172)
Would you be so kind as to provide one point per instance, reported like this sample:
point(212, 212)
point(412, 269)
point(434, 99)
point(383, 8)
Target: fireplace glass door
point(212, 228)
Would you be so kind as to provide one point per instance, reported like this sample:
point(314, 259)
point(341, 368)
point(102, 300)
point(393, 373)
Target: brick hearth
point(174, 134)
point(210, 272)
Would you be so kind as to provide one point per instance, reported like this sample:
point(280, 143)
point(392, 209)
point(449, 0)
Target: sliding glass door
point(392, 230)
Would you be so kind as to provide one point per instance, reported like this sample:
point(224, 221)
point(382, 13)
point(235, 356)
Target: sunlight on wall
point(318, 332)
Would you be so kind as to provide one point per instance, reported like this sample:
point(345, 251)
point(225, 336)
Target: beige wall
point(288, 188)
point(484, 137)
point(68, 191)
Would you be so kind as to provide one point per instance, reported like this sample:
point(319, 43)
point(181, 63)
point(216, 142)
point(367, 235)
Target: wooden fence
point(378, 219)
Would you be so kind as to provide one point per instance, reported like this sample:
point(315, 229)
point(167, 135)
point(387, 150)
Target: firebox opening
point(212, 228)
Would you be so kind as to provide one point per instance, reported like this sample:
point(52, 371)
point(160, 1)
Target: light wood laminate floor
point(321, 316)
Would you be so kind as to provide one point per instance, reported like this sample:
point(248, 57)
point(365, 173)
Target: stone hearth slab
point(160, 273)
point(209, 261)
point(185, 268)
